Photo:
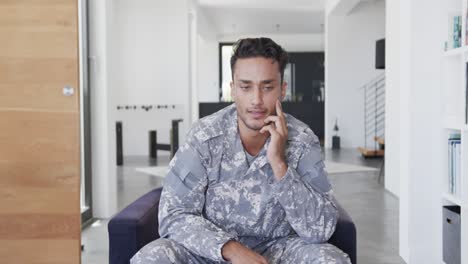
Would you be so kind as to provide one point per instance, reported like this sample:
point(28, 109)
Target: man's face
point(255, 88)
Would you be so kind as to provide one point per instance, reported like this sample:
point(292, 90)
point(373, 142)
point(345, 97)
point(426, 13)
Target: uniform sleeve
point(305, 194)
point(181, 206)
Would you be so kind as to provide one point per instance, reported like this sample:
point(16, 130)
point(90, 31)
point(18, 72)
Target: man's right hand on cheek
point(237, 253)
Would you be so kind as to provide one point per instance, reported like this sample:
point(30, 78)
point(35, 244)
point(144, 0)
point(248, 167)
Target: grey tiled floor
point(131, 184)
point(374, 211)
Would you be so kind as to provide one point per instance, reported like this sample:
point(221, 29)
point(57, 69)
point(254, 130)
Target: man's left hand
point(278, 129)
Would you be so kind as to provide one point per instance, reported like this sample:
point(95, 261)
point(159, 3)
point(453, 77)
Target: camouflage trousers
point(286, 250)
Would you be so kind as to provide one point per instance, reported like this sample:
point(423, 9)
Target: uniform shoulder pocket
point(186, 173)
point(311, 168)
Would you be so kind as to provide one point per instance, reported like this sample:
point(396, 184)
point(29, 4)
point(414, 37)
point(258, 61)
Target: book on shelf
point(457, 31)
point(455, 28)
point(466, 24)
point(454, 164)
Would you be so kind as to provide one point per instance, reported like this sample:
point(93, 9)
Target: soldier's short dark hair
point(259, 47)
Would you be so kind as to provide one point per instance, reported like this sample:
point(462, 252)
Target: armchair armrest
point(344, 236)
point(134, 227)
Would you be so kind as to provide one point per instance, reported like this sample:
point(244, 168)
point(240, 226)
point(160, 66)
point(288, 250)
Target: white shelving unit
point(453, 94)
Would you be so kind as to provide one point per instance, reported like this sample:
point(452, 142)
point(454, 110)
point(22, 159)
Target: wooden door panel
point(40, 136)
point(39, 132)
point(40, 251)
point(54, 175)
point(37, 226)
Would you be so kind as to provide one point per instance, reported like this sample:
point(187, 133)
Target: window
point(225, 53)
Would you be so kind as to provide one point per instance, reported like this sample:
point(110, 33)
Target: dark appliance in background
point(380, 54)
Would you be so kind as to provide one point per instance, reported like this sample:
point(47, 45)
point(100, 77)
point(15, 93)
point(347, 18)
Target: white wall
point(330, 6)
point(349, 64)
point(151, 61)
point(392, 97)
point(208, 59)
point(342, 7)
point(139, 54)
point(402, 12)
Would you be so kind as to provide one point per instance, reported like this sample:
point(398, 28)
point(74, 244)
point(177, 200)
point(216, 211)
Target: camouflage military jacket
point(211, 195)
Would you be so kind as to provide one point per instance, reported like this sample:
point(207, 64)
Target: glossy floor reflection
point(374, 210)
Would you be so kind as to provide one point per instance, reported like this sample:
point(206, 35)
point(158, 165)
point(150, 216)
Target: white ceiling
point(265, 16)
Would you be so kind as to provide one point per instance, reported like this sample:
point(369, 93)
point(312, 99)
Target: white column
point(102, 131)
point(420, 140)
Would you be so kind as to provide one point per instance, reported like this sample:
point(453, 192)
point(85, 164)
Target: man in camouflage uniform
point(248, 185)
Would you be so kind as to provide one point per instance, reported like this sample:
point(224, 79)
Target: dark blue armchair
point(137, 225)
